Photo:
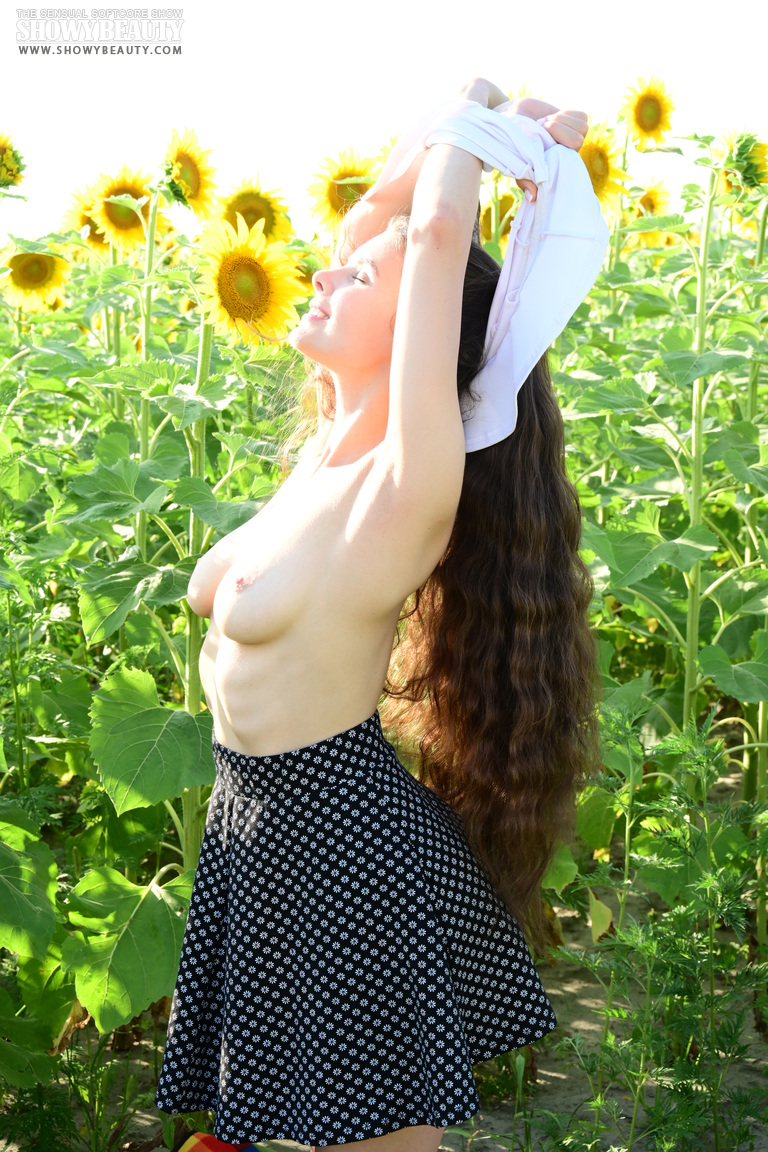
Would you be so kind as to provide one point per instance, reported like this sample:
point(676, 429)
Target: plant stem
point(695, 502)
point(116, 330)
point(755, 778)
point(23, 782)
point(144, 421)
point(711, 971)
point(622, 897)
point(193, 818)
point(762, 796)
point(640, 1085)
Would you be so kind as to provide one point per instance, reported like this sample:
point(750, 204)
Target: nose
point(320, 280)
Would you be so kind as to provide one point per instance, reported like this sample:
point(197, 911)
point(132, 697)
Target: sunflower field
point(148, 399)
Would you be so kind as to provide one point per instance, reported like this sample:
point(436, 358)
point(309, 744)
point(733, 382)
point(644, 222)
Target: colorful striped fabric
point(202, 1142)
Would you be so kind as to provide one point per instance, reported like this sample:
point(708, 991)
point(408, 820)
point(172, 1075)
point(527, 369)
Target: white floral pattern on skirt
point(345, 961)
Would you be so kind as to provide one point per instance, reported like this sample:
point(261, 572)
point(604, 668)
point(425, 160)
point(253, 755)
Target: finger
point(568, 137)
point(528, 186)
point(569, 120)
point(571, 134)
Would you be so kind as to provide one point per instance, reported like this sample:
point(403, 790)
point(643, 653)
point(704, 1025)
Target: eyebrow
point(371, 263)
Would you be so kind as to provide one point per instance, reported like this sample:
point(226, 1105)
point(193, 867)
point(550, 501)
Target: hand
point(484, 92)
point(565, 127)
point(568, 128)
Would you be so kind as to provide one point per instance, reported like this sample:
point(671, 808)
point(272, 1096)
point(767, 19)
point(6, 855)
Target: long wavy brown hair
point(493, 683)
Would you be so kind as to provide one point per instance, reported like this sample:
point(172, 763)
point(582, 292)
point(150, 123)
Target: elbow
point(443, 223)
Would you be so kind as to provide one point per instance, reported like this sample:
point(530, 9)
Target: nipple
point(240, 583)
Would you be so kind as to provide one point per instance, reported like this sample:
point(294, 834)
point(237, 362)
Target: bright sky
point(274, 88)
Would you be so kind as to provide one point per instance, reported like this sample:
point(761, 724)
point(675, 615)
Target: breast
point(278, 563)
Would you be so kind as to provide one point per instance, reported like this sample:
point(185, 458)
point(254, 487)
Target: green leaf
point(747, 681)
point(734, 461)
point(154, 755)
point(741, 435)
point(595, 817)
point(11, 579)
point(111, 492)
point(22, 1064)
point(619, 396)
point(671, 223)
point(188, 405)
point(124, 692)
point(194, 493)
point(48, 992)
point(146, 753)
point(696, 543)
point(740, 596)
point(600, 917)
point(111, 591)
point(562, 869)
point(682, 368)
point(27, 891)
point(128, 956)
point(148, 379)
point(67, 702)
point(677, 338)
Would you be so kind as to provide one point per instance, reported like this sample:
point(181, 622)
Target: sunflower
point(249, 287)
point(190, 179)
point(35, 280)
point(506, 201)
point(79, 216)
point(11, 163)
point(254, 204)
point(744, 157)
point(647, 110)
point(653, 202)
point(600, 157)
point(333, 200)
point(119, 222)
point(379, 161)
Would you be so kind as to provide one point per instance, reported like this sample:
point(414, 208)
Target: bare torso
point(303, 602)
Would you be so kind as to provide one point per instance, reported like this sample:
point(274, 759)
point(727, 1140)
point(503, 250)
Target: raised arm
point(424, 441)
point(369, 216)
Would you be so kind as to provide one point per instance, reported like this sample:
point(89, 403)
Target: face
point(359, 299)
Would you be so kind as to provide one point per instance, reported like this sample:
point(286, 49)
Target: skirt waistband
point(323, 764)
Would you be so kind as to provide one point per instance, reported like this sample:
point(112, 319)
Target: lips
point(315, 307)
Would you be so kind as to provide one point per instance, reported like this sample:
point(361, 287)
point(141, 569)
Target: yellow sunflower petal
point(600, 155)
point(249, 287)
point(118, 222)
point(647, 110)
point(11, 163)
point(255, 203)
point(333, 200)
point(35, 279)
point(187, 170)
point(80, 216)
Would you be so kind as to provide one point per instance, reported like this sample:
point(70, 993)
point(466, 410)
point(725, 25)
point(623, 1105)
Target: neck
point(360, 420)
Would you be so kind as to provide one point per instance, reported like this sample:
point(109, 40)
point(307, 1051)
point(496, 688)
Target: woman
point(348, 957)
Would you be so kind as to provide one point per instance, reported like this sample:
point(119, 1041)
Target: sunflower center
point(121, 216)
point(648, 112)
point(252, 208)
point(648, 204)
point(189, 172)
point(31, 270)
point(94, 235)
point(343, 196)
point(243, 286)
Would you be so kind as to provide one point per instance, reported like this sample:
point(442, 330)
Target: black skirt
point(345, 961)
